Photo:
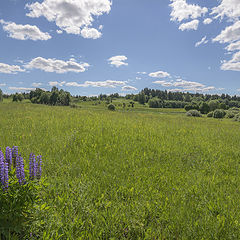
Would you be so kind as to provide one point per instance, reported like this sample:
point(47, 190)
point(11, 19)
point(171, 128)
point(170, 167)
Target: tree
point(141, 98)
point(213, 105)
point(204, 108)
point(1, 95)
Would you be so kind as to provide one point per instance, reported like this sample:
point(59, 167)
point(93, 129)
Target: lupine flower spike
point(20, 170)
point(39, 166)
point(14, 155)
point(32, 166)
point(3, 172)
point(9, 157)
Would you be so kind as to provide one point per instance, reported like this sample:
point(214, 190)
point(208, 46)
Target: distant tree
point(204, 108)
point(213, 105)
point(17, 97)
point(219, 113)
point(1, 95)
point(222, 105)
point(45, 98)
point(54, 97)
point(155, 103)
point(111, 107)
point(142, 98)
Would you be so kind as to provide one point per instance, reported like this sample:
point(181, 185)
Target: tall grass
point(130, 175)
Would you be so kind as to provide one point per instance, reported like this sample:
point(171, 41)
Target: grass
point(132, 174)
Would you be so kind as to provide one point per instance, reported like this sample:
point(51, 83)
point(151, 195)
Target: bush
point(111, 107)
point(155, 103)
point(210, 114)
point(219, 113)
point(230, 114)
point(193, 113)
point(191, 106)
point(237, 117)
point(204, 108)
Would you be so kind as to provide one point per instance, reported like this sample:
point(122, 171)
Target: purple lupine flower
point(14, 155)
point(20, 170)
point(39, 166)
point(3, 171)
point(9, 157)
point(32, 166)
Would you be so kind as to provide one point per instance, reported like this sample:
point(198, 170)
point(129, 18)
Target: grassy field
point(130, 174)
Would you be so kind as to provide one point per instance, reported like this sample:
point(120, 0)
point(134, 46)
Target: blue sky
point(88, 47)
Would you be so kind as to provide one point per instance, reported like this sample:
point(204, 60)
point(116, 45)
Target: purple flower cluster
point(3, 171)
point(14, 159)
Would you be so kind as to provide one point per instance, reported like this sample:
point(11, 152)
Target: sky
point(88, 47)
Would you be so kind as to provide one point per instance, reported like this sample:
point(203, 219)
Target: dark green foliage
point(230, 114)
point(219, 113)
point(204, 108)
point(191, 106)
point(111, 107)
point(17, 97)
point(237, 117)
point(155, 103)
point(142, 98)
point(193, 113)
point(222, 105)
point(1, 95)
point(213, 105)
point(210, 114)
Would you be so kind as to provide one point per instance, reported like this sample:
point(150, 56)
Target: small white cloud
point(233, 46)
point(100, 27)
point(2, 84)
point(24, 32)
point(59, 31)
point(129, 88)
point(118, 61)
point(21, 89)
point(159, 74)
point(36, 84)
point(11, 69)
point(207, 21)
point(233, 64)
point(181, 10)
point(193, 25)
point(141, 72)
point(90, 33)
point(138, 78)
point(60, 84)
point(202, 41)
point(106, 84)
point(55, 65)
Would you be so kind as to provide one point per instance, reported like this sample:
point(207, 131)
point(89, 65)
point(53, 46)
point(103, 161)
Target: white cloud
point(90, 33)
point(107, 84)
point(193, 25)
point(55, 65)
point(11, 69)
point(70, 15)
point(159, 74)
point(141, 73)
point(24, 32)
point(36, 84)
point(181, 10)
point(229, 34)
point(59, 31)
point(233, 64)
point(138, 78)
point(207, 21)
point(118, 60)
point(202, 41)
point(184, 86)
point(233, 46)
point(2, 84)
point(228, 8)
point(60, 84)
point(129, 88)
point(21, 89)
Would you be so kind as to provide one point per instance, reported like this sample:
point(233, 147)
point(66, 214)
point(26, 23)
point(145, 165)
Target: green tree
point(1, 95)
point(213, 105)
point(141, 98)
point(204, 108)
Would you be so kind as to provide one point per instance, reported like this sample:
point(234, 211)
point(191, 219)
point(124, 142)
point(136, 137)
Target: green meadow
point(129, 174)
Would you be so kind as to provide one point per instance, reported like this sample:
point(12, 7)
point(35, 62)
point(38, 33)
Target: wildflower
point(20, 170)
point(3, 171)
point(39, 166)
point(32, 166)
point(14, 155)
point(9, 157)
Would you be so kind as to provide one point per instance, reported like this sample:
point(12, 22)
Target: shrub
point(219, 113)
point(193, 113)
point(237, 117)
point(19, 192)
point(204, 108)
point(111, 107)
point(230, 114)
point(210, 114)
point(191, 106)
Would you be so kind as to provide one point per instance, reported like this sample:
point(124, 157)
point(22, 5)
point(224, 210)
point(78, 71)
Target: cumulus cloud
point(159, 74)
point(90, 33)
point(106, 84)
point(233, 46)
point(11, 69)
point(71, 16)
point(129, 88)
point(55, 65)
point(2, 84)
point(193, 25)
point(233, 64)
point(24, 32)
point(185, 86)
point(181, 10)
point(202, 41)
point(60, 84)
point(228, 8)
point(229, 34)
point(118, 61)
point(207, 21)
